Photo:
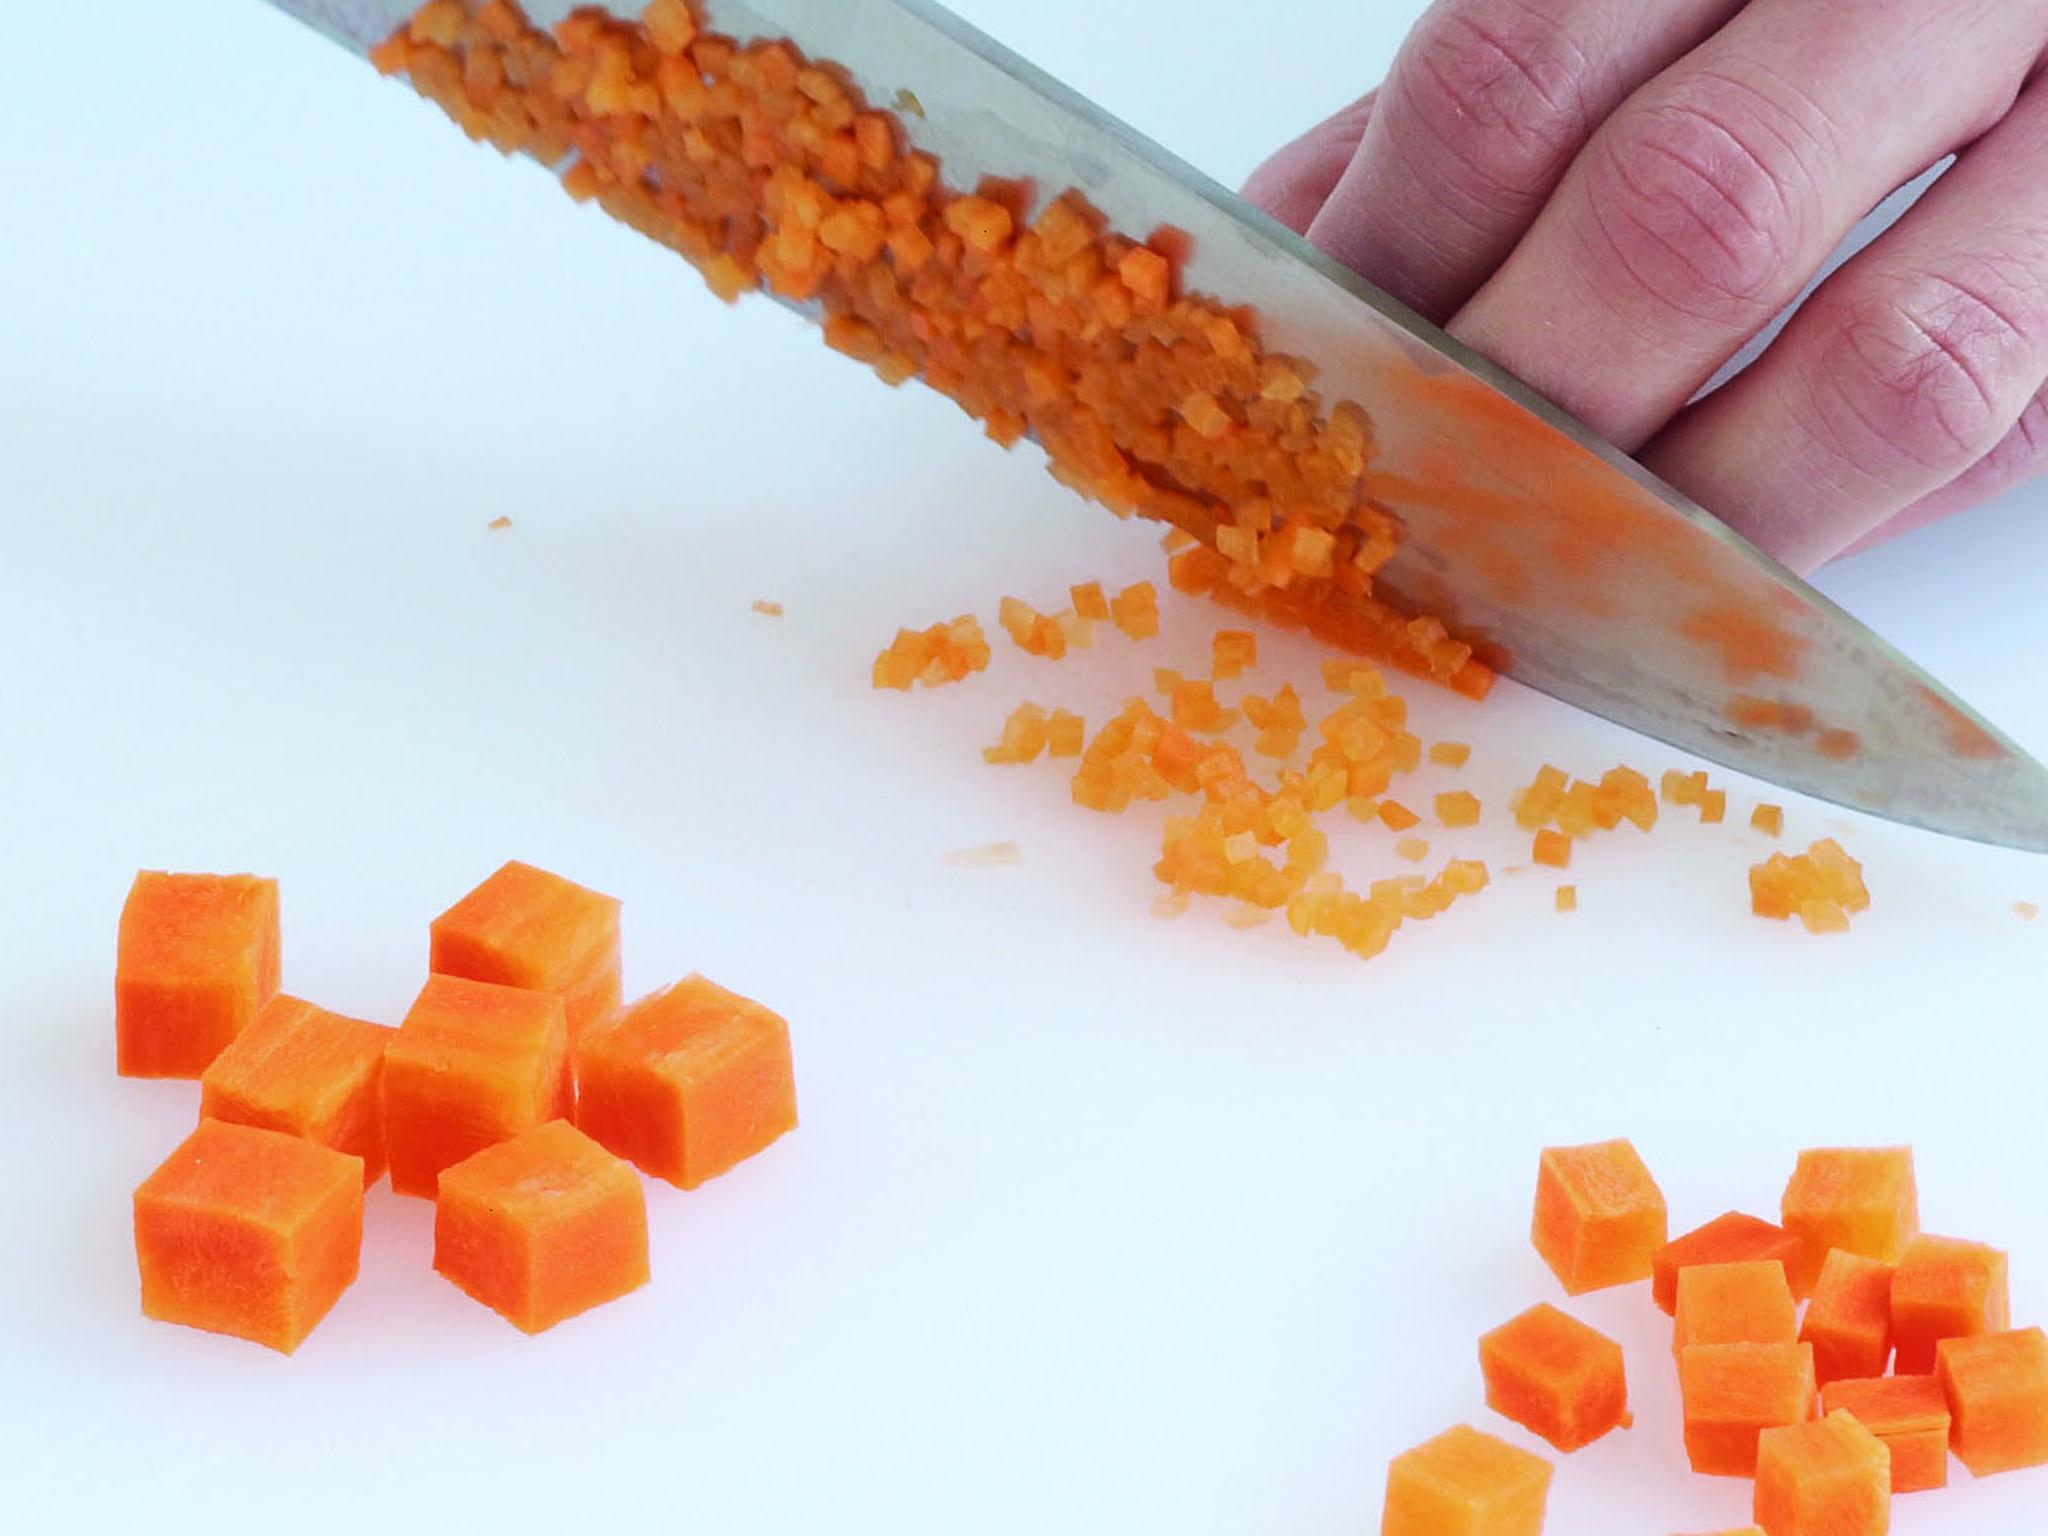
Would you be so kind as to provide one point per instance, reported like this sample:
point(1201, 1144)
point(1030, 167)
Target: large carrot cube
point(542, 1227)
point(1910, 1415)
point(309, 1073)
point(1832, 1477)
point(524, 927)
point(1464, 1483)
point(249, 1232)
point(473, 1064)
point(1997, 1390)
point(688, 1082)
point(198, 956)
point(1600, 1218)
point(1733, 1393)
point(1746, 1303)
point(1861, 1200)
point(1849, 1320)
point(1556, 1377)
point(1946, 1289)
point(1732, 1238)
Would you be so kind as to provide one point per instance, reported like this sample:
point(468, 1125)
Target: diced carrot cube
point(1090, 602)
point(249, 1232)
point(1413, 849)
point(1552, 849)
point(1733, 1393)
point(1714, 806)
point(524, 927)
point(1396, 816)
point(1556, 1377)
point(1909, 1414)
point(688, 1082)
point(1135, 611)
point(1728, 1239)
point(1600, 1218)
point(1861, 1200)
point(1832, 1477)
point(1769, 820)
point(1064, 734)
point(542, 1227)
point(981, 223)
point(309, 1073)
point(473, 1064)
point(1567, 898)
point(1458, 808)
point(1450, 754)
point(1849, 1321)
point(1747, 1302)
point(1465, 1483)
point(1945, 1288)
point(198, 957)
point(1997, 1390)
point(1025, 735)
point(1233, 652)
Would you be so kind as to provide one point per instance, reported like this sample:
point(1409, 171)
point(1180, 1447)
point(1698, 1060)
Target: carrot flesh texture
point(249, 1232)
point(1740, 1303)
point(1849, 1321)
point(1466, 1483)
point(688, 1082)
point(1997, 1390)
point(198, 957)
point(1559, 1379)
point(1727, 1239)
point(1910, 1415)
point(1733, 1393)
point(473, 1064)
point(1946, 1288)
point(1829, 1478)
point(309, 1073)
point(542, 1227)
point(1458, 808)
point(1600, 1218)
point(525, 927)
point(1863, 1200)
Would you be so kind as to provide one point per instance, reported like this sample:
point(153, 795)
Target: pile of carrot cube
point(1906, 1352)
point(517, 1094)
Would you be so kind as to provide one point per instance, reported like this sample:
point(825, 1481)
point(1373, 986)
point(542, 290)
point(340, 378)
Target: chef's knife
point(1574, 568)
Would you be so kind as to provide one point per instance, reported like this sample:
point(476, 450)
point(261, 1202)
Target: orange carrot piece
point(1026, 734)
point(1413, 849)
point(1909, 1414)
point(1396, 817)
point(1832, 1477)
point(1862, 1200)
point(1090, 602)
point(542, 1227)
point(1450, 754)
point(1458, 808)
point(688, 1082)
point(1135, 610)
point(473, 1064)
point(1768, 819)
point(1945, 1288)
point(1232, 653)
point(249, 1232)
point(198, 957)
point(524, 927)
point(1821, 887)
point(1714, 807)
point(1065, 734)
point(1733, 1393)
point(1849, 1322)
point(1552, 849)
point(1747, 1302)
point(1559, 1379)
point(1600, 1218)
point(1567, 898)
point(1465, 1483)
point(1727, 1239)
point(1997, 1390)
point(309, 1073)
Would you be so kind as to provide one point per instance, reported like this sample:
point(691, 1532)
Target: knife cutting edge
point(1454, 490)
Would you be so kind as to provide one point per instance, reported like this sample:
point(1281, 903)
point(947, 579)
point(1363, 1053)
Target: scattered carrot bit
point(1024, 736)
point(1089, 601)
point(945, 653)
point(1169, 905)
point(1135, 611)
point(1713, 806)
point(1567, 898)
point(1233, 652)
point(1397, 817)
point(1279, 721)
point(1822, 886)
point(1244, 917)
point(1195, 708)
point(499, 524)
point(986, 856)
point(1035, 633)
point(2026, 910)
point(1768, 819)
point(1412, 849)
point(764, 607)
point(1552, 849)
point(1065, 733)
point(1450, 754)
point(1458, 808)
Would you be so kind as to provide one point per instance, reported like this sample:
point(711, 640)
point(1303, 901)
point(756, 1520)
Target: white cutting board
point(1096, 1223)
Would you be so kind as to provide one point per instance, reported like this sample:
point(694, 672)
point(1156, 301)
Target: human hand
point(1610, 197)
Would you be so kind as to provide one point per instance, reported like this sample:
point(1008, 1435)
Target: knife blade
point(1573, 569)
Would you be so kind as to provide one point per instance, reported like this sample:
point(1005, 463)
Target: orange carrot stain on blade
point(1966, 738)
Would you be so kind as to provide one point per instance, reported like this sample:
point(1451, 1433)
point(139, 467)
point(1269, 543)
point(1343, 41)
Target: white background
point(1096, 1223)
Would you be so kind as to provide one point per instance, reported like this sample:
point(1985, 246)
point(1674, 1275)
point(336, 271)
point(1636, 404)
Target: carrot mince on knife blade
point(951, 214)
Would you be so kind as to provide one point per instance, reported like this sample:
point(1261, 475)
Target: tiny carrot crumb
point(2027, 911)
point(1552, 848)
point(1246, 916)
point(1413, 849)
point(1450, 754)
point(1567, 898)
point(1169, 905)
point(985, 856)
point(765, 607)
point(1768, 819)
point(1396, 816)
point(498, 524)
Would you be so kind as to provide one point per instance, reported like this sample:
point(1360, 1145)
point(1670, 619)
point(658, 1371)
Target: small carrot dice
point(688, 1082)
point(198, 957)
point(525, 927)
point(1945, 1288)
point(1861, 1200)
point(1552, 849)
point(1741, 1303)
point(309, 1073)
point(1768, 819)
point(1832, 1477)
point(1450, 754)
point(473, 1064)
point(1997, 1390)
point(1559, 1379)
point(249, 1232)
point(1396, 817)
point(1465, 1483)
point(1458, 808)
point(1567, 899)
point(1733, 1393)
point(1600, 1218)
point(542, 1227)
point(1090, 602)
point(1728, 1239)
point(1135, 611)
point(1849, 1321)
point(1232, 653)
point(1909, 1414)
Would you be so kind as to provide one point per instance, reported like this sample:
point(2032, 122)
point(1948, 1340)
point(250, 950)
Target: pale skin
point(1610, 197)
